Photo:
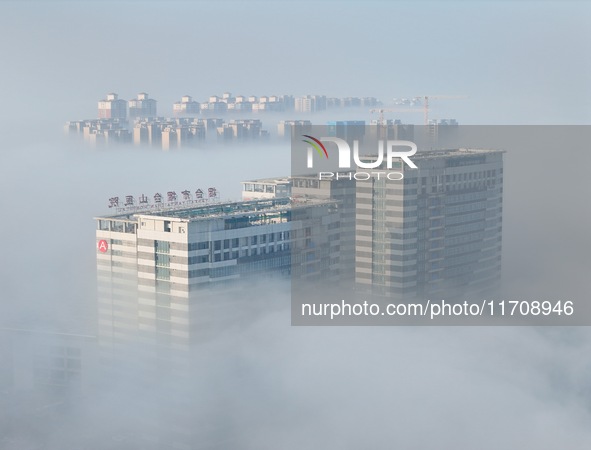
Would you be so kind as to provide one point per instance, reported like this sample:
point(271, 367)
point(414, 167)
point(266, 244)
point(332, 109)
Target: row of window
point(265, 264)
point(235, 254)
point(121, 242)
point(226, 244)
point(466, 207)
point(477, 236)
point(463, 228)
point(257, 187)
point(468, 268)
point(117, 226)
point(466, 197)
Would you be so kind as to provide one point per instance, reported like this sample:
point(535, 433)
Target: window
point(198, 273)
point(198, 246)
point(162, 247)
point(117, 226)
point(162, 260)
point(162, 273)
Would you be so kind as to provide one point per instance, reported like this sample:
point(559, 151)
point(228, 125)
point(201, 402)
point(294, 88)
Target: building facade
point(436, 233)
point(168, 280)
point(187, 106)
point(156, 270)
point(265, 188)
point(142, 107)
point(112, 107)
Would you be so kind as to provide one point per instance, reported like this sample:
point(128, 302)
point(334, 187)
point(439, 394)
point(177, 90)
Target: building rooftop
point(217, 210)
point(454, 152)
point(279, 180)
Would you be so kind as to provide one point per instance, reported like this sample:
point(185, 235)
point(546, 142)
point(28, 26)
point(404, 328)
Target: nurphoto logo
point(344, 157)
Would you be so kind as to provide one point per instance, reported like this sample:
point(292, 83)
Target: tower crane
point(381, 112)
point(426, 99)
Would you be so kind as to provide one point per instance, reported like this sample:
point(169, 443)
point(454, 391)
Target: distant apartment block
point(112, 107)
point(352, 102)
point(281, 103)
point(241, 129)
point(392, 129)
point(215, 105)
point(347, 129)
point(310, 103)
point(169, 133)
point(100, 132)
point(229, 103)
point(142, 107)
point(187, 106)
point(288, 128)
point(146, 128)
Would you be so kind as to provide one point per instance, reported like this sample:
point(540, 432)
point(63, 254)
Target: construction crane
point(426, 99)
point(381, 111)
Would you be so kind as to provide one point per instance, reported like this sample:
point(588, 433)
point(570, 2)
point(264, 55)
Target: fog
point(258, 382)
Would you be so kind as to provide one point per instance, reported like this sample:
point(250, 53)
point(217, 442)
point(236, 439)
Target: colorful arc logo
point(316, 144)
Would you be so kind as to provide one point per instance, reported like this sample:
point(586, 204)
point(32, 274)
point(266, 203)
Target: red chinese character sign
point(103, 246)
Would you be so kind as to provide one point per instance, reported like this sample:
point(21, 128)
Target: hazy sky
point(266, 382)
point(519, 62)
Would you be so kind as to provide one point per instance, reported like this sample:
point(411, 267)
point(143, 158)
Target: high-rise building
point(156, 268)
point(310, 103)
point(347, 129)
point(438, 232)
point(142, 107)
point(241, 129)
point(112, 107)
point(187, 106)
point(39, 359)
point(167, 277)
point(288, 128)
